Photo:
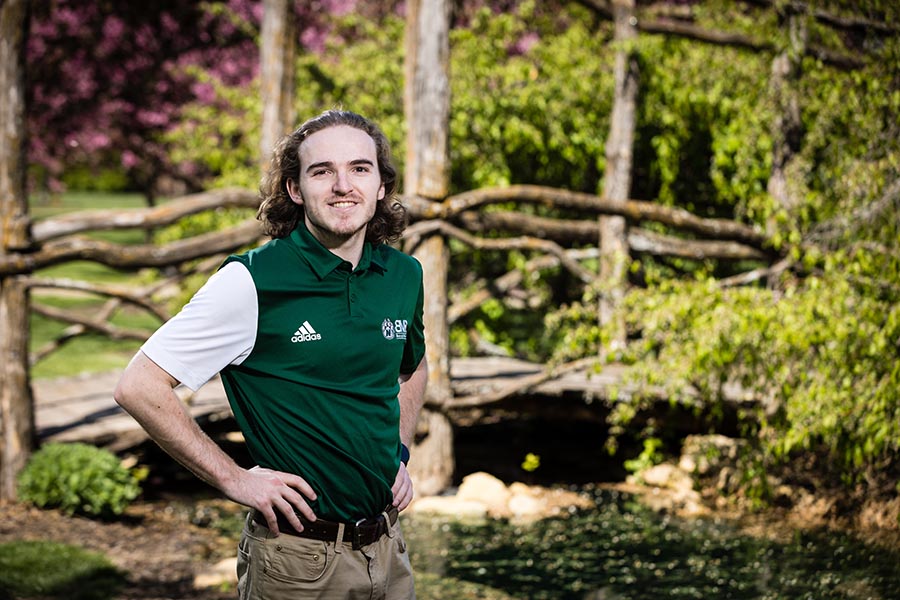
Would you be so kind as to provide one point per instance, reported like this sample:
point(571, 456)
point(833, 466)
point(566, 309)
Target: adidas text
point(306, 333)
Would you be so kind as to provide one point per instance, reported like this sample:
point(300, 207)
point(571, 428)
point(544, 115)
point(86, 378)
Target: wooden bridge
point(82, 409)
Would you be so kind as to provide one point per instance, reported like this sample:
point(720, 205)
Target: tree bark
point(569, 231)
point(633, 210)
point(680, 27)
point(787, 128)
point(16, 408)
point(614, 255)
point(519, 243)
point(278, 53)
point(427, 175)
point(158, 216)
point(131, 256)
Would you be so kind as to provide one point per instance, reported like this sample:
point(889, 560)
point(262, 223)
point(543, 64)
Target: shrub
point(79, 478)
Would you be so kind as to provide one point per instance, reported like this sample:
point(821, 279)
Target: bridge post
point(617, 179)
point(427, 174)
point(16, 408)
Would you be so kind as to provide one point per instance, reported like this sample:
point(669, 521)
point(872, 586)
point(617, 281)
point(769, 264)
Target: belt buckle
point(357, 536)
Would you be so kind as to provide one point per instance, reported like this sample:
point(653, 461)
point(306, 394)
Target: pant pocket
point(293, 563)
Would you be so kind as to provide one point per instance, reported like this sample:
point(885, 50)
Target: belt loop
point(387, 525)
point(339, 540)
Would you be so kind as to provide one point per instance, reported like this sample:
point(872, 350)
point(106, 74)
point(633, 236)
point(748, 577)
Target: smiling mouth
point(343, 204)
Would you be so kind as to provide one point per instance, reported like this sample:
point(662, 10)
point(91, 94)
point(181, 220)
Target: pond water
point(623, 550)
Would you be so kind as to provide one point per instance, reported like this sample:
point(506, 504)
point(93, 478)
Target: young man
point(319, 341)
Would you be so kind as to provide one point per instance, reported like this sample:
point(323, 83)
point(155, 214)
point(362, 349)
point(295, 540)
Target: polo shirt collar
point(322, 260)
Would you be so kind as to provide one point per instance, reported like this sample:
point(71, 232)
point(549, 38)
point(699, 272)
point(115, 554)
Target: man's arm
point(147, 393)
point(411, 397)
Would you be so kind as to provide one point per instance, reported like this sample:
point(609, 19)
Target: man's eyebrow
point(329, 164)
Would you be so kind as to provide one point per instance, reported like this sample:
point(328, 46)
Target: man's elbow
point(140, 378)
point(421, 372)
point(124, 392)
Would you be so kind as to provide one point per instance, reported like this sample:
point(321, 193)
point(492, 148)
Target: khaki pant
point(288, 567)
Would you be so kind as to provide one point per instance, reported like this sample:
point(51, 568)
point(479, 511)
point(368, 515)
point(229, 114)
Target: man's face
point(339, 185)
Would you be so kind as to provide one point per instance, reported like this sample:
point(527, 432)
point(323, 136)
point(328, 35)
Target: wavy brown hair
point(280, 214)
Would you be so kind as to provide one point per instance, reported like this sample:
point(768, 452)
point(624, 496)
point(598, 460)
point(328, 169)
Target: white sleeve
point(215, 329)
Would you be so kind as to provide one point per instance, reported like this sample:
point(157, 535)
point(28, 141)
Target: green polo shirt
point(317, 396)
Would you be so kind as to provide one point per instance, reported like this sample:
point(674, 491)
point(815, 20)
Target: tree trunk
point(16, 409)
point(617, 179)
point(427, 175)
point(278, 52)
point(787, 128)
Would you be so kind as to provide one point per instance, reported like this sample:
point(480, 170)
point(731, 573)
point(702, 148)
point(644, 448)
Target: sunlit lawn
point(92, 352)
point(47, 206)
point(89, 353)
point(43, 569)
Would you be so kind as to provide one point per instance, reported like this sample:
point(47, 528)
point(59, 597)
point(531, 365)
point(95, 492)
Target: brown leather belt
point(362, 533)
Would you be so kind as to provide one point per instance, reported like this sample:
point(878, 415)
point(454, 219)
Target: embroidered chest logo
point(394, 330)
point(306, 333)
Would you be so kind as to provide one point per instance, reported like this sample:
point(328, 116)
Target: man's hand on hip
point(402, 488)
point(267, 491)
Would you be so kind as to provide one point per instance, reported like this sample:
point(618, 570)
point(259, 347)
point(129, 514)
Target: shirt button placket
point(351, 296)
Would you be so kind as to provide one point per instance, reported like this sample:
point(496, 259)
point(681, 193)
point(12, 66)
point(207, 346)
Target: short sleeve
point(415, 339)
point(215, 329)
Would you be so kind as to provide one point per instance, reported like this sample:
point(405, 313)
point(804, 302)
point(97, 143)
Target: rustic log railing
point(553, 241)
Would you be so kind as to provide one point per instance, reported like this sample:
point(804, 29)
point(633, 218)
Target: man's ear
point(293, 191)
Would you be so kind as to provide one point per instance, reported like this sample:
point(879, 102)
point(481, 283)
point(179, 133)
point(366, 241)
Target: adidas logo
point(306, 333)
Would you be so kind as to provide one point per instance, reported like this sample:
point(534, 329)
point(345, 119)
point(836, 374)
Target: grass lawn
point(88, 353)
point(92, 352)
point(57, 204)
point(42, 569)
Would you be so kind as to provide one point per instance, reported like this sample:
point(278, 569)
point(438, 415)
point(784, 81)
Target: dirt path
point(158, 548)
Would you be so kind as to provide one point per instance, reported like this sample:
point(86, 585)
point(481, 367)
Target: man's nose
point(341, 183)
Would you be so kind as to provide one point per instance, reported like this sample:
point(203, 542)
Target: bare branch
point(72, 332)
point(885, 207)
point(558, 230)
point(521, 385)
point(518, 243)
point(756, 274)
point(165, 214)
point(681, 28)
point(584, 231)
point(112, 331)
point(642, 240)
point(131, 256)
point(138, 297)
point(724, 38)
point(508, 281)
point(635, 210)
point(700, 34)
point(851, 22)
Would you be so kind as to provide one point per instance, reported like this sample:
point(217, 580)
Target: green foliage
point(79, 478)
point(648, 457)
point(532, 462)
point(821, 355)
point(703, 140)
point(538, 115)
point(221, 139)
point(44, 569)
point(87, 178)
